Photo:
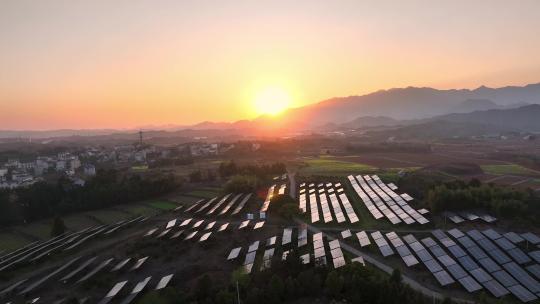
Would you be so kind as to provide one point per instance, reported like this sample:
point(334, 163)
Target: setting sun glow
point(272, 101)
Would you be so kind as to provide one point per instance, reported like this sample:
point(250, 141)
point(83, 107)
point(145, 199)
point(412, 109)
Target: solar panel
point(531, 238)
point(171, 224)
point(163, 233)
point(95, 270)
point(521, 275)
point(534, 269)
point(139, 263)
point(456, 251)
point(496, 289)
point(499, 256)
point(521, 293)
point(38, 283)
point(491, 234)
point(446, 260)
point(78, 269)
point(489, 265)
point(191, 235)
point(468, 263)
point(210, 225)
point(271, 241)
point(116, 289)
point(243, 224)
point(164, 281)
point(506, 279)
point(234, 253)
point(535, 255)
point(443, 278)
point(254, 246)
point(513, 237)
point(476, 252)
point(242, 204)
point(505, 244)
point(197, 224)
point(480, 275)
point(519, 256)
point(250, 257)
point(177, 234)
point(470, 284)
point(433, 266)
point(223, 227)
point(258, 225)
point(363, 239)
point(185, 222)
point(305, 258)
point(205, 237)
point(346, 233)
point(287, 236)
point(457, 271)
point(466, 242)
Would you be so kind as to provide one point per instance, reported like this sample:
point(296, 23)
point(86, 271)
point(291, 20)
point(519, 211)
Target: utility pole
point(140, 137)
point(237, 292)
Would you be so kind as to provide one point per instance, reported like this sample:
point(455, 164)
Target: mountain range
point(394, 107)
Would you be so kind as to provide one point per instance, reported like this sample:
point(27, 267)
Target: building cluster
point(16, 173)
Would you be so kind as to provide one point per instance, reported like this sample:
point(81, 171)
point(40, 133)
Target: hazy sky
point(98, 64)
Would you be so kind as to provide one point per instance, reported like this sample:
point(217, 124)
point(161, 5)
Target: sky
point(126, 64)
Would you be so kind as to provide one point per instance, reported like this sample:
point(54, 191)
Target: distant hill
point(525, 118)
point(490, 122)
point(471, 105)
point(411, 103)
point(370, 121)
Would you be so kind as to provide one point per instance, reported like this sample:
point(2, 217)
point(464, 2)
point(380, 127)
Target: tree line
point(502, 201)
point(290, 281)
point(107, 188)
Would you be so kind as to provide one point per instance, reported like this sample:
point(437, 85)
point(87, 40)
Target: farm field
point(204, 193)
point(404, 160)
point(162, 205)
point(330, 166)
point(10, 241)
point(510, 169)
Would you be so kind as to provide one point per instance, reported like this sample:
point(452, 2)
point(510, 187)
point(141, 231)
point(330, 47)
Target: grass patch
point(162, 205)
point(140, 168)
point(10, 241)
point(511, 169)
point(40, 230)
point(328, 166)
point(138, 209)
point(203, 193)
point(109, 216)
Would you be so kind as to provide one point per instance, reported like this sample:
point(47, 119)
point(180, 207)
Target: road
point(406, 279)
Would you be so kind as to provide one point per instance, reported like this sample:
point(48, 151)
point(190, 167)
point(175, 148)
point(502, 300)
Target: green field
point(41, 230)
point(162, 205)
point(108, 216)
point(327, 166)
point(138, 209)
point(11, 241)
point(511, 169)
point(204, 193)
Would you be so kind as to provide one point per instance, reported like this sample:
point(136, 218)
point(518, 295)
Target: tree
point(58, 227)
point(204, 287)
point(276, 289)
point(395, 278)
point(334, 284)
point(242, 184)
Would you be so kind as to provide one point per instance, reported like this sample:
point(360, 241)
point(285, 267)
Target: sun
point(272, 101)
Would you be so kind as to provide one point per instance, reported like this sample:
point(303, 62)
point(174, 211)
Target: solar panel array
point(468, 216)
point(337, 255)
point(494, 261)
point(66, 242)
point(383, 245)
point(474, 269)
point(469, 282)
point(382, 201)
point(408, 258)
point(332, 200)
point(269, 196)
